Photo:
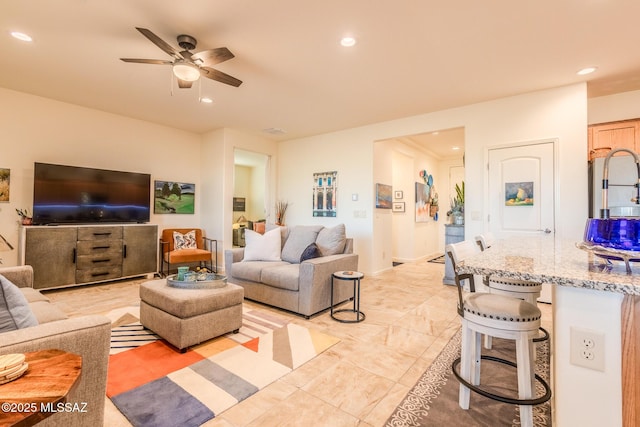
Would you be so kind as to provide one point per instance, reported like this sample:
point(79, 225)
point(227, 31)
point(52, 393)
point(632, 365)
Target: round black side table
point(355, 277)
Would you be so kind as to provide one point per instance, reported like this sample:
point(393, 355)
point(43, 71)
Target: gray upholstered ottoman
point(185, 317)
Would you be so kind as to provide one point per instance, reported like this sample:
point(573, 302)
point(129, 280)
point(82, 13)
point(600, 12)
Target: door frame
point(556, 174)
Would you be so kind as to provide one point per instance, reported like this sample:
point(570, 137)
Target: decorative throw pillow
point(310, 252)
point(15, 312)
point(299, 238)
point(184, 241)
point(262, 247)
point(331, 241)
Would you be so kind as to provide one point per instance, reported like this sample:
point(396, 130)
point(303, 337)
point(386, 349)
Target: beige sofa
point(302, 287)
point(88, 336)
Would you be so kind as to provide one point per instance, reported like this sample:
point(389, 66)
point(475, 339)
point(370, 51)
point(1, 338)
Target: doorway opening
point(407, 162)
point(250, 193)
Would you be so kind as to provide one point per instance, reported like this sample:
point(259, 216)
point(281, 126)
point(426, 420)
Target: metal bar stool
point(497, 316)
point(523, 289)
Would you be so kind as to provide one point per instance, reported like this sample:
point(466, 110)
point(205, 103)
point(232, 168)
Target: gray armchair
point(88, 336)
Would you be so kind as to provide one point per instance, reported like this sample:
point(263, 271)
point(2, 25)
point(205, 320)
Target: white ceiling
point(412, 56)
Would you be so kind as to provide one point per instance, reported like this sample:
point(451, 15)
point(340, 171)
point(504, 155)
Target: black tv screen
point(77, 195)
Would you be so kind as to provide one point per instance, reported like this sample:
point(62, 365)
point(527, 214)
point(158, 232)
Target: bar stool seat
point(523, 289)
point(498, 316)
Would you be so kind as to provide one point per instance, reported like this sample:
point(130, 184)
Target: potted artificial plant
point(456, 213)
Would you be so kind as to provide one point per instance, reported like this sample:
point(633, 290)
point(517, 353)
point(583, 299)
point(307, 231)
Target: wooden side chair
point(498, 316)
point(187, 245)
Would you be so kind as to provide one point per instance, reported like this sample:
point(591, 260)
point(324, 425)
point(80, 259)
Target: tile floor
point(410, 316)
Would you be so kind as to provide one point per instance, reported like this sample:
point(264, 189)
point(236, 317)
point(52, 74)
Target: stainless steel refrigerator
point(623, 175)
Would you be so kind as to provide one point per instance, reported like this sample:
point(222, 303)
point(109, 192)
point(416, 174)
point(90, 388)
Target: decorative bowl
point(614, 233)
point(613, 239)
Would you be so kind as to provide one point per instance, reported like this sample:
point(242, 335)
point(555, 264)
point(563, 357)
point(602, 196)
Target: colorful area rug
point(433, 401)
point(153, 384)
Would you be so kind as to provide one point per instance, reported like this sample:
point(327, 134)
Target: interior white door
point(522, 193)
point(521, 190)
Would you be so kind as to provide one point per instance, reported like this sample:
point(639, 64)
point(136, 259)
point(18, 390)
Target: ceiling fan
point(187, 66)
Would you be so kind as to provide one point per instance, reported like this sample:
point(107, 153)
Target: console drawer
point(99, 233)
point(100, 247)
point(85, 262)
point(98, 274)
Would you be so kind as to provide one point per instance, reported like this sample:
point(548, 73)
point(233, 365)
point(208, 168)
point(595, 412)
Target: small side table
point(355, 277)
point(51, 376)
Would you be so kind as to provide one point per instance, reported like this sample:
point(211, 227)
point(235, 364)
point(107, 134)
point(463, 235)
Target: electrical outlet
point(587, 349)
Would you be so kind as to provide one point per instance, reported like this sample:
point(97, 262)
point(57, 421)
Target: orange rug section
point(254, 344)
point(130, 369)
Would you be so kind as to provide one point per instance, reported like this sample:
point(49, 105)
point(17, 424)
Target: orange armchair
point(194, 247)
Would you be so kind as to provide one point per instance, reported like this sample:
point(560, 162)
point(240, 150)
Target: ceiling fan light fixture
point(185, 71)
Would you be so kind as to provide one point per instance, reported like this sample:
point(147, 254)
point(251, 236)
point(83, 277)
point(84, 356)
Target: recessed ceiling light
point(206, 100)
point(21, 36)
point(348, 41)
point(455, 148)
point(586, 71)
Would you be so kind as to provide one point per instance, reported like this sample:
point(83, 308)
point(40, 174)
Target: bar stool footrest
point(500, 398)
point(544, 337)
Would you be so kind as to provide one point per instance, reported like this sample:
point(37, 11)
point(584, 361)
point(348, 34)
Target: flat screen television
point(77, 195)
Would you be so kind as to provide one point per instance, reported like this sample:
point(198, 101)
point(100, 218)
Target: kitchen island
point(588, 295)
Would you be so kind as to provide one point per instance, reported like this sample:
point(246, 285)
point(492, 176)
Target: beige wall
point(622, 106)
point(557, 113)
point(36, 129)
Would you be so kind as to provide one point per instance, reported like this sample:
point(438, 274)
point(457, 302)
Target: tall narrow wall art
point(325, 194)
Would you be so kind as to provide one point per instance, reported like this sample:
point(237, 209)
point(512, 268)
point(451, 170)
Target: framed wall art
point(383, 196)
point(325, 194)
point(239, 204)
point(5, 179)
point(398, 207)
point(173, 197)
point(398, 194)
point(518, 193)
point(422, 202)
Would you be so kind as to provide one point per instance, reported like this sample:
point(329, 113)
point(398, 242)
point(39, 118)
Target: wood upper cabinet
point(605, 137)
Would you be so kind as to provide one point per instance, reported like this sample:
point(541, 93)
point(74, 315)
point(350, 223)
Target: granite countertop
point(554, 261)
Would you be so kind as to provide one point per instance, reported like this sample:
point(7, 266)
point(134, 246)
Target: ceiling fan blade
point(220, 76)
point(160, 43)
point(147, 61)
point(183, 84)
point(213, 56)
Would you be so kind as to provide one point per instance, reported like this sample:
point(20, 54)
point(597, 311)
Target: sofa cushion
point(262, 247)
point(299, 238)
point(15, 312)
point(331, 240)
point(46, 312)
point(33, 295)
point(310, 252)
point(252, 270)
point(283, 277)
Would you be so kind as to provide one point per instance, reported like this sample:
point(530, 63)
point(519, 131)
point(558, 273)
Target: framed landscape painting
point(383, 196)
point(173, 197)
